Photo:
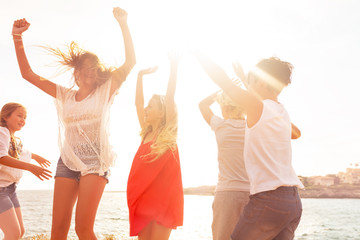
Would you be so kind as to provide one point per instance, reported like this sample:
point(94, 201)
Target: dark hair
point(279, 72)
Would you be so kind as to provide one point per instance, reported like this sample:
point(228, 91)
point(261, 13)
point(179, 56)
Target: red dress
point(154, 190)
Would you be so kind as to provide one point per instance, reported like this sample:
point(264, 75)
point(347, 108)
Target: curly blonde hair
point(167, 132)
point(235, 111)
point(74, 58)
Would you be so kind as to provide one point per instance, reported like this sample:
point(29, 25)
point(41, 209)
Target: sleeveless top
point(154, 190)
point(83, 129)
point(9, 175)
point(268, 152)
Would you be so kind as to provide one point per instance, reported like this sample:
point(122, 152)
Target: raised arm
point(170, 93)
point(239, 71)
point(219, 76)
point(45, 85)
point(205, 109)
point(139, 97)
point(119, 75)
point(39, 172)
point(245, 99)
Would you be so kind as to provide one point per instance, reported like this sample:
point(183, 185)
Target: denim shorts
point(270, 215)
point(8, 198)
point(64, 171)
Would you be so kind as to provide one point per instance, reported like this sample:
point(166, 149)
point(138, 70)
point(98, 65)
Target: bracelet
point(17, 34)
point(17, 39)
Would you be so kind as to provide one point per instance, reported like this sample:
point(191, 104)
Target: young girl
point(85, 152)
point(232, 189)
point(154, 191)
point(14, 159)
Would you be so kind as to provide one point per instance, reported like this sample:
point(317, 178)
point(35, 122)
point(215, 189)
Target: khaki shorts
point(227, 208)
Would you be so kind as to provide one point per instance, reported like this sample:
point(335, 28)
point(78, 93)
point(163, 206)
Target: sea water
point(322, 219)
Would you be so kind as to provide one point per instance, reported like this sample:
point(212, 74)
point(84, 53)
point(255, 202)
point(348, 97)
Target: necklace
point(15, 148)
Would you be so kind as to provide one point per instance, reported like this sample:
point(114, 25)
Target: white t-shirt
point(230, 140)
point(9, 175)
point(268, 150)
point(83, 129)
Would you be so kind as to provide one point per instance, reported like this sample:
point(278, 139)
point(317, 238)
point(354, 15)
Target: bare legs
point(11, 224)
point(65, 194)
point(154, 231)
point(91, 188)
point(88, 192)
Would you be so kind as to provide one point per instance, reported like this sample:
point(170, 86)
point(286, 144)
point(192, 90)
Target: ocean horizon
point(321, 219)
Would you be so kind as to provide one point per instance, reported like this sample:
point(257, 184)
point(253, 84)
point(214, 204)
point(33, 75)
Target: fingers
point(44, 174)
point(174, 55)
point(151, 69)
point(21, 23)
point(45, 163)
point(119, 12)
point(148, 70)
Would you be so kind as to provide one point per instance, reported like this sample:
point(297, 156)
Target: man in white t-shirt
point(232, 189)
point(274, 209)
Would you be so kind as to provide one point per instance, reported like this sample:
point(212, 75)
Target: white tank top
point(268, 150)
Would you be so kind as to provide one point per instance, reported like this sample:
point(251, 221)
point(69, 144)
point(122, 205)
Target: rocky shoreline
point(314, 191)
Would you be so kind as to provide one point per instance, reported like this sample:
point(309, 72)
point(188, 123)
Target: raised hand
point(20, 26)
point(148, 70)
point(174, 57)
point(239, 71)
point(211, 99)
point(41, 173)
point(120, 15)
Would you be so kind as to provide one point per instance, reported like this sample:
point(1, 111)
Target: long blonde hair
point(6, 112)
point(167, 132)
point(74, 58)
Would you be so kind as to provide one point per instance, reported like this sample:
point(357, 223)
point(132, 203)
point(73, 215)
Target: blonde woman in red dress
point(154, 191)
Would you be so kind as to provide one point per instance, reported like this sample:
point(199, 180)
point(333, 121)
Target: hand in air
point(239, 71)
point(120, 15)
point(20, 26)
point(148, 70)
point(174, 57)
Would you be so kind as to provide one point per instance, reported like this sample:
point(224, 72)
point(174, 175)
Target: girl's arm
point(205, 109)
point(40, 160)
point(170, 93)
point(45, 85)
point(40, 172)
point(139, 96)
point(119, 75)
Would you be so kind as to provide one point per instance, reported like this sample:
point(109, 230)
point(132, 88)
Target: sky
point(320, 38)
